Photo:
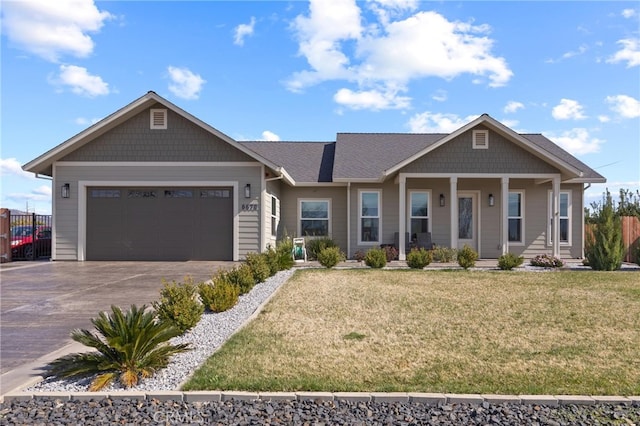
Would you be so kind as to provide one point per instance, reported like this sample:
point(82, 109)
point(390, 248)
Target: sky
point(305, 71)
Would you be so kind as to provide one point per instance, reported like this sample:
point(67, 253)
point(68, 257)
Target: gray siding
point(133, 140)
point(458, 156)
point(67, 210)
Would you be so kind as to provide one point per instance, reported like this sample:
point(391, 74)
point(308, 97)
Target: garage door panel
point(160, 224)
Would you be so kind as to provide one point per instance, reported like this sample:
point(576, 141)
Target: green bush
point(444, 254)
point(284, 249)
point(604, 248)
point(128, 347)
point(467, 257)
point(330, 257)
point(316, 245)
point(546, 261)
point(259, 266)
point(375, 258)
point(419, 258)
point(242, 276)
point(508, 261)
point(271, 257)
point(219, 296)
point(179, 304)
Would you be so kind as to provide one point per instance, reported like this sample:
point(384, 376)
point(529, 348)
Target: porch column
point(402, 214)
point(555, 218)
point(504, 214)
point(453, 205)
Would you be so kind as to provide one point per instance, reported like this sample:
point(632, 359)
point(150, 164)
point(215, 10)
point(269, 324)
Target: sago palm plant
point(129, 346)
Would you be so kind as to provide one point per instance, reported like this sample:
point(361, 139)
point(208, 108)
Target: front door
point(467, 220)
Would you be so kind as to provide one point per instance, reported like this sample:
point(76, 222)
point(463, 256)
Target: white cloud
point(382, 57)
point(82, 121)
point(11, 167)
point(51, 29)
point(582, 49)
point(81, 82)
point(371, 99)
point(625, 106)
point(185, 84)
point(568, 109)
point(630, 53)
point(268, 135)
point(604, 118)
point(242, 31)
point(428, 122)
point(440, 96)
point(513, 106)
point(629, 13)
point(577, 141)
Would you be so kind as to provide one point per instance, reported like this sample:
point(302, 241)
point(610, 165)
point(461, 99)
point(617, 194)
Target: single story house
point(153, 182)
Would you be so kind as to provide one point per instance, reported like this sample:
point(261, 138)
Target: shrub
point(508, 261)
point(359, 255)
point(241, 276)
point(419, 258)
point(271, 257)
point(330, 257)
point(283, 254)
point(179, 304)
point(391, 253)
point(375, 258)
point(444, 254)
point(259, 266)
point(467, 257)
point(219, 296)
point(605, 249)
point(128, 347)
point(316, 245)
point(546, 261)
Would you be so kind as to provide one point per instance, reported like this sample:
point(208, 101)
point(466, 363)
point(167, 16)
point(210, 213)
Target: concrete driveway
point(41, 302)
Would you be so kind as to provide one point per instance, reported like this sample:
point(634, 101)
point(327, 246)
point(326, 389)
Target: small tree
point(604, 248)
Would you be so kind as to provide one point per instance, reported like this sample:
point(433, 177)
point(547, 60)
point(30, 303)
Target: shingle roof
point(306, 162)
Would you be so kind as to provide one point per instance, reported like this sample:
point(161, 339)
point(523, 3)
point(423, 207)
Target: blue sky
point(304, 71)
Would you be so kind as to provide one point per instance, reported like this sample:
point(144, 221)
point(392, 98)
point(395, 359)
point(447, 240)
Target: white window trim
point(152, 124)
point(429, 206)
point(475, 134)
point(550, 217)
point(521, 217)
point(274, 215)
point(329, 230)
point(360, 217)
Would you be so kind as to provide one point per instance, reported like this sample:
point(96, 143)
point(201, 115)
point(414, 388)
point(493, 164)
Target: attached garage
point(159, 223)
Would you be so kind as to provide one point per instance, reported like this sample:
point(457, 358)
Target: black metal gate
point(30, 236)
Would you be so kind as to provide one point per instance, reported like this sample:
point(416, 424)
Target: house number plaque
point(249, 207)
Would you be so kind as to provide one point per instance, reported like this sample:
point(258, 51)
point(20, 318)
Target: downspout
point(583, 224)
point(348, 219)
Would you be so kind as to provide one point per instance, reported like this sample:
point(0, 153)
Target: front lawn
point(499, 332)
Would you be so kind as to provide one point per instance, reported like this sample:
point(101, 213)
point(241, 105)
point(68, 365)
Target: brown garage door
point(159, 223)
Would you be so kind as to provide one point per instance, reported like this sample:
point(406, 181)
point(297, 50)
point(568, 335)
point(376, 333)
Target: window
point(369, 217)
point(274, 216)
point(158, 119)
point(565, 217)
point(480, 139)
point(418, 212)
point(314, 218)
point(516, 217)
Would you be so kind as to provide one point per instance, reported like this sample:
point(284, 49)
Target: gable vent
point(158, 119)
point(480, 139)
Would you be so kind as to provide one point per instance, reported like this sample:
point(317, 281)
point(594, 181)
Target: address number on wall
point(249, 207)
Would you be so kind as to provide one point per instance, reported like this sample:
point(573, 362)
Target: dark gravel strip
point(152, 412)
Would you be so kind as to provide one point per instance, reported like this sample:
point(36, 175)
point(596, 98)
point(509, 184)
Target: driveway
point(41, 302)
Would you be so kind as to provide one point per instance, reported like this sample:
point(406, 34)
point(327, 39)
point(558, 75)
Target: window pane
point(314, 209)
point(419, 204)
point(370, 204)
point(369, 229)
point(564, 205)
point(564, 230)
point(515, 230)
point(273, 205)
point(514, 204)
point(314, 227)
point(419, 225)
point(465, 218)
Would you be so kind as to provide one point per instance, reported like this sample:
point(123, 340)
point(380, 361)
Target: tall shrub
point(179, 304)
point(604, 248)
point(467, 257)
point(316, 245)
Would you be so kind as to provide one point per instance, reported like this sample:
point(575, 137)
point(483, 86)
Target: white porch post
point(453, 205)
point(402, 214)
point(555, 221)
point(504, 215)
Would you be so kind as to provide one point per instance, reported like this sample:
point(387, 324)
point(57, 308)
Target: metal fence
point(30, 236)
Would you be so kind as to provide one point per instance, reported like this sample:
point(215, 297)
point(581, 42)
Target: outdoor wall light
point(247, 191)
point(66, 190)
point(441, 200)
point(492, 200)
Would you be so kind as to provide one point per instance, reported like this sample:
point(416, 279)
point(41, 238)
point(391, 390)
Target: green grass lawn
point(557, 332)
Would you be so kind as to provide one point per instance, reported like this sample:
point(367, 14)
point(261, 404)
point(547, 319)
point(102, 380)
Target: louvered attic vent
point(480, 139)
point(158, 119)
